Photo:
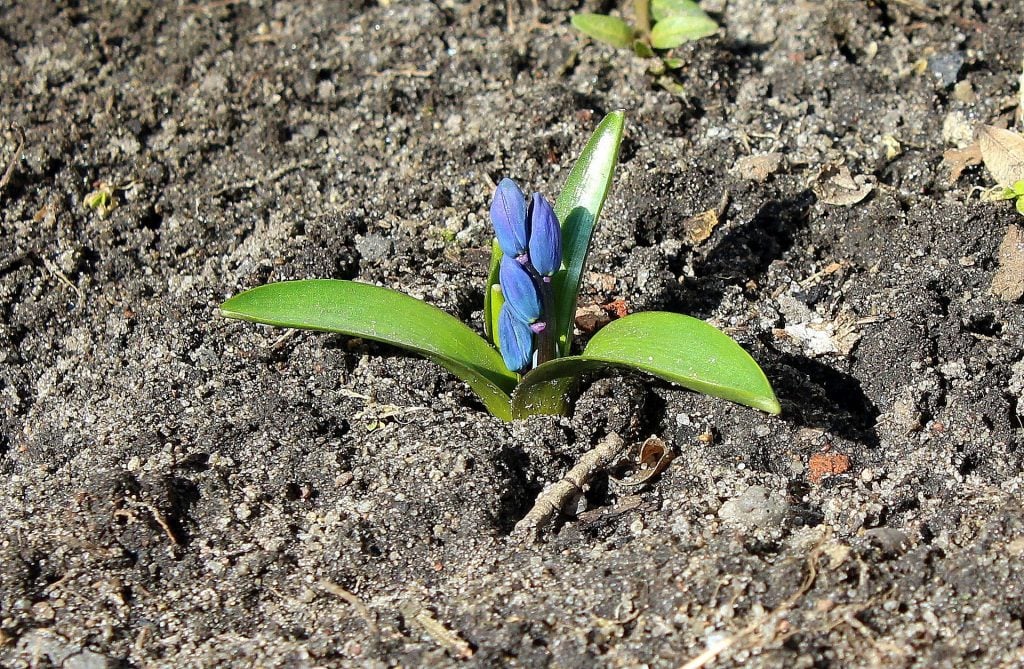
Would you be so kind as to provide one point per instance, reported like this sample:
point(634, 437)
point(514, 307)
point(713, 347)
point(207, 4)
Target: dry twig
point(550, 502)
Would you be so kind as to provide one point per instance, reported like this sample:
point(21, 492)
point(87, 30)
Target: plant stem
point(643, 17)
point(546, 337)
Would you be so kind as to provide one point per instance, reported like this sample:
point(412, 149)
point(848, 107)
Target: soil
point(182, 490)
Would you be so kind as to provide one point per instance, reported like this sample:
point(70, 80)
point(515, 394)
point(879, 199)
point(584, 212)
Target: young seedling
point(523, 365)
point(1014, 192)
point(675, 22)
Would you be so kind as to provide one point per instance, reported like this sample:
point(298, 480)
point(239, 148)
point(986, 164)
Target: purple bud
point(516, 340)
point(545, 237)
point(508, 215)
point(519, 290)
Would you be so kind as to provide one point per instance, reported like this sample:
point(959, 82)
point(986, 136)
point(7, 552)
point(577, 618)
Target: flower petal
point(516, 340)
point(545, 237)
point(519, 290)
point(508, 215)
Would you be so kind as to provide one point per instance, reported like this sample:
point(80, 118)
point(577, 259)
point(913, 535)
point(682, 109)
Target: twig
point(550, 502)
point(357, 604)
point(450, 640)
point(14, 160)
point(711, 653)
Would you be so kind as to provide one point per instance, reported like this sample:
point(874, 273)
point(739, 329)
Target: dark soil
point(182, 490)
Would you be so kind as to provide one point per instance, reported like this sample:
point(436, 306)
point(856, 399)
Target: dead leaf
point(652, 458)
point(1003, 153)
point(699, 227)
point(960, 159)
point(591, 317)
point(1008, 282)
point(823, 337)
point(836, 186)
point(759, 167)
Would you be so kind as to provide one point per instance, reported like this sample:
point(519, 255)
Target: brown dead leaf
point(591, 317)
point(652, 458)
point(836, 186)
point(1008, 282)
point(759, 167)
point(960, 159)
point(1003, 153)
point(699, 227)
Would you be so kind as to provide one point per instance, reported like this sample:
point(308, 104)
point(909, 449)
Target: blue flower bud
point(508, 215)
point(545, 237)
point(519, 290)
point(516, 340)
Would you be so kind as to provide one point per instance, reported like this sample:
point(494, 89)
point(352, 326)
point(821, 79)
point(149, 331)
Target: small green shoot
point(675, 22)
point(523, 365)
point(1014, 192)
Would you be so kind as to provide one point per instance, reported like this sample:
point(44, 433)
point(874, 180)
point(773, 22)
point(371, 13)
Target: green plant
point(675, 22)
point(674, 347)
point(1014, 192)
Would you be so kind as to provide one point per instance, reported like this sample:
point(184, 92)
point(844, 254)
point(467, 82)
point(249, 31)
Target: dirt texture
point(180, 490)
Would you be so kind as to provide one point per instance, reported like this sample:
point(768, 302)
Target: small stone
point(946, 66)
point(755, 507)
point(43, 612)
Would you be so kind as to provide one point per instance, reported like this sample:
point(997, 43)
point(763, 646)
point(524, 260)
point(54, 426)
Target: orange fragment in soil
point(826, 464)
point(617, 307)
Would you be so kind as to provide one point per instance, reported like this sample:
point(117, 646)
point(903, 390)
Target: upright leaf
point(384, 315)
point(604, 28)
point(490, 308)
point(674, 30)
point(673, 347)
point(662, 9)
point(578, 207)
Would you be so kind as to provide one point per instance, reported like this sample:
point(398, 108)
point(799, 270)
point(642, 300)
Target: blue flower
point(516, 339)
point(519, 290)
point(508, 215)
point(545, 237)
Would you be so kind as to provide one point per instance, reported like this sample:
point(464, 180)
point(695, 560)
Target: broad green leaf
point(674, 30)
point(1020, 205)
point(550, 397)
point(490, 309)
point(381, 314)
point(577, 207)
point(673, 347)
point(604, 28)
point(662, 9)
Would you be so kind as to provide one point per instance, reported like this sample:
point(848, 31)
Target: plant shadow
point(815, 395)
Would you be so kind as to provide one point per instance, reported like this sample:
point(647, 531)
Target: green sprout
point(1014, 192)
point(102, 199)
point(523, 365)
point(675, 22)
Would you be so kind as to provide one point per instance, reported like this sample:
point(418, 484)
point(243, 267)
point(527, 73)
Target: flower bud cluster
point(531, 243)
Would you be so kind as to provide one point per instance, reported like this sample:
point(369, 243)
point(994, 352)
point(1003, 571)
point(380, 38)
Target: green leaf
point(662, 9)
point(1018, 187)
point(1020, 205)
point(674, 30)
point(490, 308)
point(642, 49)
point(552, 397)
point(381, 314)
point(578, 207)
point(603, 28)
point(673, 347)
